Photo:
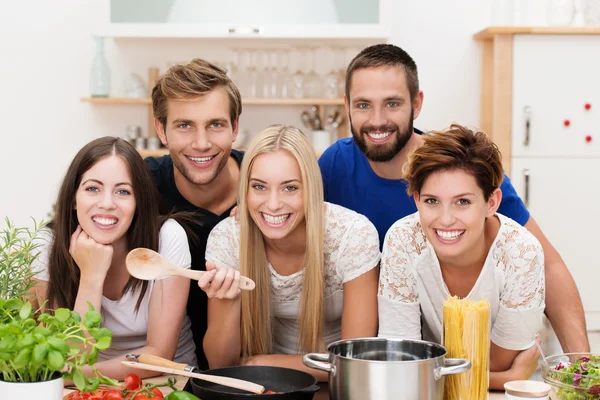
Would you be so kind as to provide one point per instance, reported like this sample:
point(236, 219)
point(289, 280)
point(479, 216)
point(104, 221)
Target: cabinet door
point(554, 76)
point(242, 18)
point(563, 197)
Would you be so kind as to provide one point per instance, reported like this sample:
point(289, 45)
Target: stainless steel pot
point(379, 369)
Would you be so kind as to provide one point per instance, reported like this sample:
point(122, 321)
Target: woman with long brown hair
point(106, 207)
point(315, 264)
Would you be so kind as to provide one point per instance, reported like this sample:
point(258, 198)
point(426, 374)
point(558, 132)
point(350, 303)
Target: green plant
point(37, 346)
point(17, 253)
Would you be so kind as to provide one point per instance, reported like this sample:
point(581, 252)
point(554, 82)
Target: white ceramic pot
point(321, 140)
point(47, 390)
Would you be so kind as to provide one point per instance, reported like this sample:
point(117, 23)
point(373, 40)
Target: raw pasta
point(467, 335)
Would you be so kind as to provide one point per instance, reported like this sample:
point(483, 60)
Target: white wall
point(45, 56)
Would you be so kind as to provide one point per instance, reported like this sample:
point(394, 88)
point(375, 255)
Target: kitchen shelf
point(153, 152)
point(258, 102)
point(490, 32)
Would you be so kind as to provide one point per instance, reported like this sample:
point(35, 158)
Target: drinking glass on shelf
point(332, 82)
point(231, 65)
point(284, 80)
point(252, 75)
point(270, 74)
point(298, 78)
point(313, 80)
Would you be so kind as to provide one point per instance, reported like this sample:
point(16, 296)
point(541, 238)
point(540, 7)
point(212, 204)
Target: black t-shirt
point(164, 178)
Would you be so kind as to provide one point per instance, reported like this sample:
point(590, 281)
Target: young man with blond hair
point(196, 109)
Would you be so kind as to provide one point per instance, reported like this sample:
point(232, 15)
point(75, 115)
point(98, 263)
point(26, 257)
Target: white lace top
point(411, 286)
point(351, 249)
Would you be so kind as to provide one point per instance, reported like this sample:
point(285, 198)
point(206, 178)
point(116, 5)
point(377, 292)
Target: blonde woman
point(315, 264)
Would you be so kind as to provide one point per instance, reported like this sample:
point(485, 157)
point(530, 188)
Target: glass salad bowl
point(573, 376)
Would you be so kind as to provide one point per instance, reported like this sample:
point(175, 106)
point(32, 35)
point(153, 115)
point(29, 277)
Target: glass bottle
point(100, 73)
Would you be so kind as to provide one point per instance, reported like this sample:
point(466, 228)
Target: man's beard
point(382, 152)
point(183, 169)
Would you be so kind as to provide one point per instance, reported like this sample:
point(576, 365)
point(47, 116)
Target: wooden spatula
point(146, 264)
point(220, 380)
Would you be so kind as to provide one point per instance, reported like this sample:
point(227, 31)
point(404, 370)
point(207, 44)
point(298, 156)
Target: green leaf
point(92, 319)
point(75, 315)
point(62, 314)
point(93, 384)
point(29, 323)
point(5, 356)
point(104, 343)
point(107, 381)
point(58, 344)
point(56, 361)
point(25, 311)
point(41, 330)
point(8, 343)
point(43, 318)
point(40, 351)
point(22, 358)
point(73, 350)
point(25, 341)
point(93, 356)
point(79, 379)
point(13, 304)
point(101, 333)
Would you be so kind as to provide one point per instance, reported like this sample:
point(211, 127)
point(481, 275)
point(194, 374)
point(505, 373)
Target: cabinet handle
point(526, 175)
point(527, 112)
point(231, 30)
point(257, 30)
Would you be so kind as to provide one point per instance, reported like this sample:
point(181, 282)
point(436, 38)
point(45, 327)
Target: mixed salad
point(582, 377)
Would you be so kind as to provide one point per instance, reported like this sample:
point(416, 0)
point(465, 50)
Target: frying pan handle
point(452, 366)
point(319, 361)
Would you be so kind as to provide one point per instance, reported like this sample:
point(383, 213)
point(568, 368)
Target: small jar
point(153, 143)
point(140, 143)
point(521, 390)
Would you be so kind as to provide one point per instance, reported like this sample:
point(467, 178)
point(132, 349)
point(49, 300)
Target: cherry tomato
point(113, 395)
point(133, 382)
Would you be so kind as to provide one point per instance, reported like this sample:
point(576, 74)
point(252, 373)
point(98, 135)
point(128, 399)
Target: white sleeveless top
point(128, 327)
point(351, 249)
point(411, 286)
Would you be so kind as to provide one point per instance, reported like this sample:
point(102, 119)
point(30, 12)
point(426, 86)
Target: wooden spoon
point(146, 264)
point(220, 380)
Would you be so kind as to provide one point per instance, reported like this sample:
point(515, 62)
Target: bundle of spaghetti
point(467, 335)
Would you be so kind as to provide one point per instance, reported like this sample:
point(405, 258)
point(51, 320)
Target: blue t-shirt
point(350, 181)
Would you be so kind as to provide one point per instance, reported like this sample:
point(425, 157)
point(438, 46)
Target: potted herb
point(39, 349)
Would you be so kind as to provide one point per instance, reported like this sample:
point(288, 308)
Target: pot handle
point(318, 361)
point(452, 366)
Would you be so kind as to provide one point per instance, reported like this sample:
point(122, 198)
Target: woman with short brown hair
point(456, 244)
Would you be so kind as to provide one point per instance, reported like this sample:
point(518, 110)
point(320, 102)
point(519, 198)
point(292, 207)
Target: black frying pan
point(292, 384)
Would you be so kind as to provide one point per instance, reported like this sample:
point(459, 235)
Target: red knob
point(587, 106)
point(567, 122)
point(588, 138)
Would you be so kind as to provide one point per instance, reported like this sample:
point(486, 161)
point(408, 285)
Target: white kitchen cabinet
point(533, 79)
point(562, 195)
point(336, 19)
point(555, 170)
point(554, 77)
